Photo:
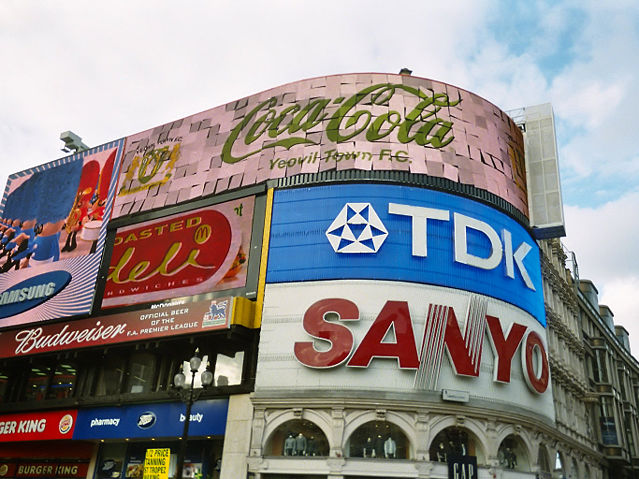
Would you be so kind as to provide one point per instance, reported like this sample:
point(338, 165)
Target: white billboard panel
point(354, 336)
point(542, 170)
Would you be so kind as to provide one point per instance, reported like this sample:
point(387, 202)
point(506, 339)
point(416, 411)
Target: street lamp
point(189, 396)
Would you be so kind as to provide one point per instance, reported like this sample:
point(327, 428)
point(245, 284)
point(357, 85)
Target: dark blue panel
point(208, 418)
point(300, 249)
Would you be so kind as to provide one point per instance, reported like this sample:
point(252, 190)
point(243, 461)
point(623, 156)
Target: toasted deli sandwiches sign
point(403, 338)
point(184, 254)
point(32, 292)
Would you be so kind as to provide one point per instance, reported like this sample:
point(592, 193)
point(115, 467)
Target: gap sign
point(401, 233)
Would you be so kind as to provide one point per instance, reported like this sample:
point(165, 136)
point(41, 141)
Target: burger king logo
point(3, 470)
point(65, 424)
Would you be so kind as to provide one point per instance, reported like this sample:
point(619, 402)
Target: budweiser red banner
point(37, 426)
point(184, 254)
point(173, 318)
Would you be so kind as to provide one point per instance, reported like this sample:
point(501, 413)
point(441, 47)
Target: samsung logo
point(32, 292)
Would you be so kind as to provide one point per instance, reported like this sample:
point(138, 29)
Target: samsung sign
point(32, 292)
point(405, 234)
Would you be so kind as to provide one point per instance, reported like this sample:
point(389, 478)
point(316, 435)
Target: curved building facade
point(361, 261)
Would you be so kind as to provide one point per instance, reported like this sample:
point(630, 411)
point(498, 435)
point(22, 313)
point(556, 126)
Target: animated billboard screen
point(401, 233)
point(188, 253)
point(52, 233)
point(368, 122)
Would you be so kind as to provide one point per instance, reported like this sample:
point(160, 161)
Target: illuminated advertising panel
point(416, 341)
point(37, 426)
point(189, 253)
point(177, 317)
point(208, 418)
point(369, 122)
point(373, 231)
point(52, 233)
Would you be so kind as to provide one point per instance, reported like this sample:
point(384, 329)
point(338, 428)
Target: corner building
point(367, 263)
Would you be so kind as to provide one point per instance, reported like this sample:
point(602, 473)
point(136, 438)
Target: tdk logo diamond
point(357, 229)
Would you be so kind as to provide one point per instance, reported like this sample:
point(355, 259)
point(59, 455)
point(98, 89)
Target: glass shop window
point(513, 455)
point(63, 381)
point(141, 369)
point(4, 386)
point(378, 439)
point(37, 382)
point(454, 441)
point(298, 437)
point(111, 375)
point(228, 369)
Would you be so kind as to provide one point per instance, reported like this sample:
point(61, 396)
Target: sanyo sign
point(406, 234)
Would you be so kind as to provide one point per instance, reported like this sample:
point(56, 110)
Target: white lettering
point(462, 223)
point(420, 217)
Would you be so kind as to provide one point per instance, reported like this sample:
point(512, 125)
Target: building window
point(298, 438)
point(543, 463)
point(63, 381)
point(141, 369)
point(378, 439)
point(4, 386)
point(37, 382)
point(607, 422)
point(601, 374)
point(228, 369)
point(513, 455)
point(454, 441)
point(111, 374)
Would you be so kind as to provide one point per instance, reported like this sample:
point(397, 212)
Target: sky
point(107, 70)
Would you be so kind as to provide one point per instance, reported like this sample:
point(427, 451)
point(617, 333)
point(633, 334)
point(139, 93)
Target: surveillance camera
point(70, 137)
point(72, 142)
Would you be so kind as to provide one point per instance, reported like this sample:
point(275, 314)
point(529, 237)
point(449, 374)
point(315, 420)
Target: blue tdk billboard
point(400, 233)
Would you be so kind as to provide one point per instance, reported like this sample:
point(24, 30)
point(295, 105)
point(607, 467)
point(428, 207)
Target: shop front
point(39, 445)
point(124, 435)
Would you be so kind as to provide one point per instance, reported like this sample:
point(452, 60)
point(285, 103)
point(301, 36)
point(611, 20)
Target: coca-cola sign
point(172, 318)
point(188, 253)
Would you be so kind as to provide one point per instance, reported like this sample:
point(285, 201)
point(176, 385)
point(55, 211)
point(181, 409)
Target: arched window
point(574, 470)
point(543, 463)
point(378, 439)
point(299, 438)
point(559, 471)
point(513, 455)
point(454, 441)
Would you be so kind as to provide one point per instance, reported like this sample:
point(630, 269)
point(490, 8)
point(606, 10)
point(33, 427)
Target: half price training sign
point(156, 463)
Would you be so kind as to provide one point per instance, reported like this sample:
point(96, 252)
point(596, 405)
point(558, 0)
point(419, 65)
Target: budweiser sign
point(173, 318)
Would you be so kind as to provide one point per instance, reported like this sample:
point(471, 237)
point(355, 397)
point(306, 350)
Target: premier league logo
point(357, 229)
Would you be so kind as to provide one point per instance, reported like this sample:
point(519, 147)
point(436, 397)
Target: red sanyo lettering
point(441, 332)
point(340, 337)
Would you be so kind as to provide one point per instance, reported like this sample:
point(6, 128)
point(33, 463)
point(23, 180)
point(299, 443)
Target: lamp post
point(189, 396)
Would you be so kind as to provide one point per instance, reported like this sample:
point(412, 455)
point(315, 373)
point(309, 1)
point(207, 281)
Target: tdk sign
point(400, 233)
point(358, 229)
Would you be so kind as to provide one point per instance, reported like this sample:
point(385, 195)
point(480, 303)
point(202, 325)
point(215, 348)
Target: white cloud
point(620, 295)
point(111, 70)
point(604, 240)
